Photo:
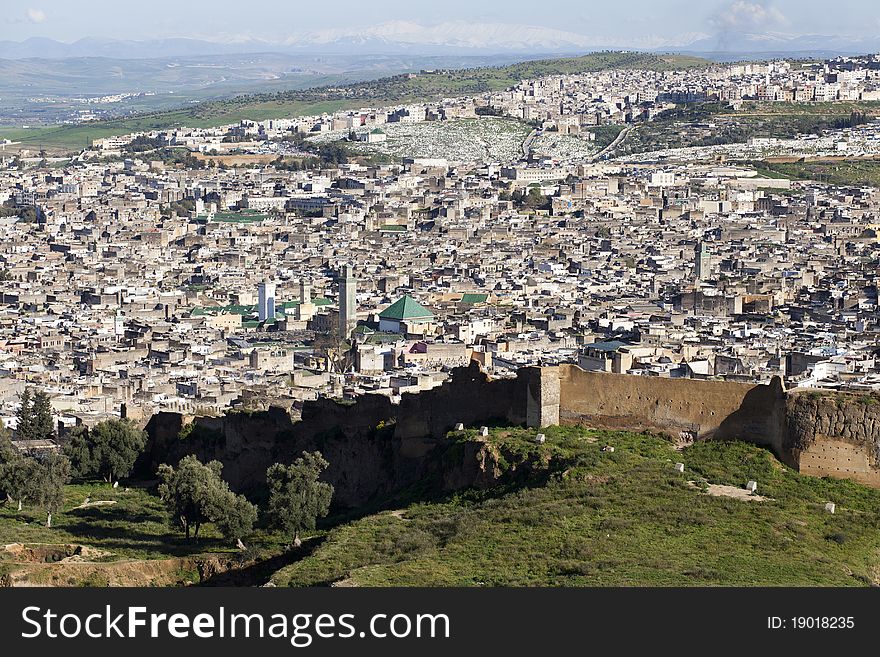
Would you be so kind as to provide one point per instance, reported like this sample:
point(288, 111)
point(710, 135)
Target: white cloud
point(36, 15)
point(742, 16)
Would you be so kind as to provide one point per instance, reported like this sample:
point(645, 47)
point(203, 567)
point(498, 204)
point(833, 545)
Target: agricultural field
point(621, 518)
point(66, 138)
point(462, 140)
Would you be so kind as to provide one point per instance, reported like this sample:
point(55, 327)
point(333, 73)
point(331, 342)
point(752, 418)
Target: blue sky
point(633, 21)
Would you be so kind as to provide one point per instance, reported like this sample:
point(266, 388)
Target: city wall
point(687, 409)
point(376, 448)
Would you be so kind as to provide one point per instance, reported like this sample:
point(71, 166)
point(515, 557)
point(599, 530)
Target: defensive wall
point(377, 448)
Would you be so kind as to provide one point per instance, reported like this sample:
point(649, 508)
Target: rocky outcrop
point(835, 434)
point(853, 418)
point(477, 463)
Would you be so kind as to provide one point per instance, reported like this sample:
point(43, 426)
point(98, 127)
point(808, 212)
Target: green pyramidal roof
point(405, 308)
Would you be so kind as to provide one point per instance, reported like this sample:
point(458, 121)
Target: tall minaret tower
point(347, 301)
point(702, 264)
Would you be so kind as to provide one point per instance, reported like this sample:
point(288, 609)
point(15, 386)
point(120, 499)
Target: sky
point(633, 22)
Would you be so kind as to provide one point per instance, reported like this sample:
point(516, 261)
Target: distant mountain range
point(448, 38)
point(742, 43)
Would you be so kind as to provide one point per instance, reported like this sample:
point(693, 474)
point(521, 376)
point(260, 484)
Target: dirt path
point(720, 490)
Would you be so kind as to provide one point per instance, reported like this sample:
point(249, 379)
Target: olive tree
point(51, 475)
point(296, 496)
point(17, 473)
point(108, 450)
point(194, 494)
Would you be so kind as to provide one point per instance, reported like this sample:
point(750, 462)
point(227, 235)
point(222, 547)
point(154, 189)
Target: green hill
point(571, 514)
point(394, 89)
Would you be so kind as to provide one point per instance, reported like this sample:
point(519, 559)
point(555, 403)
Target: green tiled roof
point(243, 217)
point(198, 311)
point(382, 338)
point(470, 297)
point(406, 308)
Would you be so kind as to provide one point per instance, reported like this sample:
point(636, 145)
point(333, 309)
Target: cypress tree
point(41, 417)
point(25, 426)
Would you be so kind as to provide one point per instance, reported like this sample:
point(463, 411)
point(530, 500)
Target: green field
point(836, 172)
point(70, 137)
point(133, 527)
point(615, 519)
point(395, 89)
point(707, 124)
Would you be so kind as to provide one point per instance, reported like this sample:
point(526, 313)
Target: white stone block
point(679, 467)
point(608, 448)
point(540, 439)
point(831, 507)
point(459, 427)
point(484, 431)
point(752, 486)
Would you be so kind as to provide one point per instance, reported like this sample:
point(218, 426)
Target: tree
point(18, 479)
point(194, 494)
point(186, 491)
point(296, 497)
point(108, 450)
point(24, 425)
point(42, 425)
point(235, 518)
point(13, 483)
point(52, 474)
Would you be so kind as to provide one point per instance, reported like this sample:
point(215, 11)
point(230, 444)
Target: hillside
point(394, 89)
point(500, 511)
point(589, 517)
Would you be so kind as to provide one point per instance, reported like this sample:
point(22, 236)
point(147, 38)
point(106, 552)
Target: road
point(527, 143)
point(614, 144)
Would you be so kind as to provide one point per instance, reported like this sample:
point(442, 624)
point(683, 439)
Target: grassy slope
point(400, 88)
point(621, 518)
point(677, 129)
point(133, 528)
point(838, 172)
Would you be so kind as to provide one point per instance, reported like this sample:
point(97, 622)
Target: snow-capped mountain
point(446, 38)
point(476, 36)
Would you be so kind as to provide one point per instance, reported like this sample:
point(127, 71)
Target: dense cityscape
point(134, 285)
point(438, 298)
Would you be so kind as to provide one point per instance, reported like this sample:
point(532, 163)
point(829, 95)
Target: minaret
point(347, 301)
point(266, 301)
point(702, 264)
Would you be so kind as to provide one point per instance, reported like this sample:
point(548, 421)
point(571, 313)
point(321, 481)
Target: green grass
point(834, 108)
point(836, 172)
point(611, 519)
point(707, 124)
point(77, 137)
point(135, 527)
point(605, 134)
point(395, 89)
